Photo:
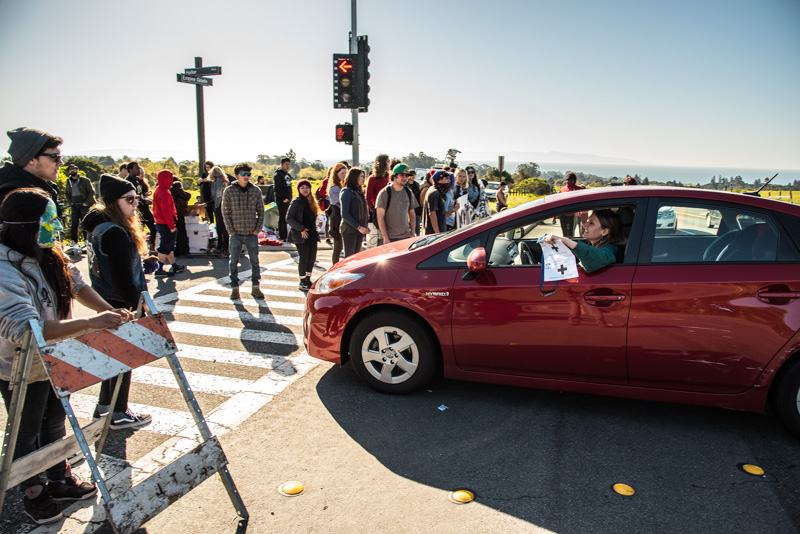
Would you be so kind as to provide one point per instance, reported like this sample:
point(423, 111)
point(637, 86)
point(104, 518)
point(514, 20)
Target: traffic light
point(344, 81)
point(344, 133)
point(362, 74)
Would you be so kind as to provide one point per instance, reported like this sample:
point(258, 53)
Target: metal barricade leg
point(19, 383)
point(109, 416)
point(191, 402)
point(76, 428)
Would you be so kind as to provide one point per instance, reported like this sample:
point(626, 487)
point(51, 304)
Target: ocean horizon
point(662, 173)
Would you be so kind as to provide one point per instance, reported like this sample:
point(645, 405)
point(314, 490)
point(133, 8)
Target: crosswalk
point(237, 355)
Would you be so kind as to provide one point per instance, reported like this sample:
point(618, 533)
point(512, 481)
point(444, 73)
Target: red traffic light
point(345, 66)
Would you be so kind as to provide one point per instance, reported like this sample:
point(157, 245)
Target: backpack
point(389, 193)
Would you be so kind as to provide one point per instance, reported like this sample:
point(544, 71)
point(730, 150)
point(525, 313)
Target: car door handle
point(603, 298)
point(778, 294)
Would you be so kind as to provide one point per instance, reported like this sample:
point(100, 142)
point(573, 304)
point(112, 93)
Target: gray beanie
point(25, 144)
point(112, 187)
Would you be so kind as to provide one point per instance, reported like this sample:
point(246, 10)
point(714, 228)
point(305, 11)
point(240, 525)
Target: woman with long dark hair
point(116, 243)
point(302, 218)
point(354, 212)
point(602, 231)
point(38, 282)
point(338, 177)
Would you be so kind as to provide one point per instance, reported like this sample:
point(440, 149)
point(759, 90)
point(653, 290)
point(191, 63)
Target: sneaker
point(161, 273)
point(177, 269)
point(71, 489)
point(234, 293)
point(256, 292)
point(128, 419)
point(304, 286)
point(43, 509)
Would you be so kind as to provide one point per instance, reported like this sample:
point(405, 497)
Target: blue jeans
point(251, 242)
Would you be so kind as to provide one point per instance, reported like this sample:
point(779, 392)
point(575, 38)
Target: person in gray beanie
point(35, 160)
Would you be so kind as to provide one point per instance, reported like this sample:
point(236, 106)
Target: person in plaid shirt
point(243, 214)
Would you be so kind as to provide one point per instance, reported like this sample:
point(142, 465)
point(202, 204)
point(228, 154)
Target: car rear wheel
point(393, 352)
point(786, 401)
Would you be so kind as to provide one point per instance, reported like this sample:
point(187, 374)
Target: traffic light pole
point(354, 50)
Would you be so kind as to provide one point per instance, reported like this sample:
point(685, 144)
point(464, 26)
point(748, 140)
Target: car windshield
point(428, 239)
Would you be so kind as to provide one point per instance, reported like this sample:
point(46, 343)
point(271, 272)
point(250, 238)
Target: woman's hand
point(363, 229)
point(551, 239)
point(304, 234)
point(108, 319)
point(125, 313)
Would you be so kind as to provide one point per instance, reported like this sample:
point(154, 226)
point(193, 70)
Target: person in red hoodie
point(165, 215)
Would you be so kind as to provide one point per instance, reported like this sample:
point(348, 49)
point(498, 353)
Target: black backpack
point(389, 192)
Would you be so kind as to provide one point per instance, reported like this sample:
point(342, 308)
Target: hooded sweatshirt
point(163, 205)
point(25, 295)
point(12, 178)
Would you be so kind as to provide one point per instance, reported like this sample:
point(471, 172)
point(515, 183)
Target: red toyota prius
point(689, 313)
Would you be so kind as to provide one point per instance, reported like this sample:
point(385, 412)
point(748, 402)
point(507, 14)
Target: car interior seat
point(756, 242)
point(713, 250)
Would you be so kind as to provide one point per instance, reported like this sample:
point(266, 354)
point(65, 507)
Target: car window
point(517, 245)
point(714, 233)
point(460, 253)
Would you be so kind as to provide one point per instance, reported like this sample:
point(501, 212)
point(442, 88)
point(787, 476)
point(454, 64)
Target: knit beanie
point(25, 144)
point(303, 182)
point(112, 187)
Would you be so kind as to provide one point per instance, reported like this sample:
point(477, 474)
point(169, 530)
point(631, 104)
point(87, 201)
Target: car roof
point(640, 191)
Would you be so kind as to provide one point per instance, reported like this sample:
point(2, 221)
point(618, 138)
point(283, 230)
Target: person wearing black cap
point(116, 241)
point(283, 194)
point(35, 160)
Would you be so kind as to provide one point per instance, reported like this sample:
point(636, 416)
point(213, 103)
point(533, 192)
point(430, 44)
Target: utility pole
point(354, 50)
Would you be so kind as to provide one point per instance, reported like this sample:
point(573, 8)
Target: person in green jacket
point(603, 231)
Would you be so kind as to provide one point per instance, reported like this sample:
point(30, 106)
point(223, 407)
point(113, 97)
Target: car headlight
point(334, 280)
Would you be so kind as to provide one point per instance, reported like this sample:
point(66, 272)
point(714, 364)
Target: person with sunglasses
point(35, 160)
point(243, 213)
point(115, 243)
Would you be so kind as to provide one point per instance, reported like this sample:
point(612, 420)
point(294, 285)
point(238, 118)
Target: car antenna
point(755, 193)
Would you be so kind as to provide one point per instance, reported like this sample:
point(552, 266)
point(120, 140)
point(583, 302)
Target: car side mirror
point(476, 264)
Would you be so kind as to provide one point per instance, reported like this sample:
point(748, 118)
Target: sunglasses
point(53, 155)
point(131, 200)
point(245, 173)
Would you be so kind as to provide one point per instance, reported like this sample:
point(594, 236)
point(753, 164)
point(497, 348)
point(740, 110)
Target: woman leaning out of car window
point(602, 230)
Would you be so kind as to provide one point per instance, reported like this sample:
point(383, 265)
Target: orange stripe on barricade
point(80, 362)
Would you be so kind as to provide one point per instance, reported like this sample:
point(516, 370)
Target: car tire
point(786, 400)
point(409, 358)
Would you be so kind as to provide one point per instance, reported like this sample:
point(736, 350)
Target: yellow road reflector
point(623, 489)
point(751, 469)
point(291, 489)
point(462, 496)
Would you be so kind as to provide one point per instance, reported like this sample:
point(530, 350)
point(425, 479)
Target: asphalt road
point(537, 460)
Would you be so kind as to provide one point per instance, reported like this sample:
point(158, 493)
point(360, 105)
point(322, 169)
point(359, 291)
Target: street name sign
point(196, 80)
point(203, 71)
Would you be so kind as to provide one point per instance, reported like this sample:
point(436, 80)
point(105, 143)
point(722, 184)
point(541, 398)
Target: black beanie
point(112, 187)
point(25, 144)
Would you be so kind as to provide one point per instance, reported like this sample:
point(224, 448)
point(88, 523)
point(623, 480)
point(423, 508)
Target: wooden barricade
point(82, 361)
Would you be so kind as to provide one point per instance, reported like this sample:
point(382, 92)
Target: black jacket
point(283, 186)
point(12, 178)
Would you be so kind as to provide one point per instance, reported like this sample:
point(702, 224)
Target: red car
point(697, 315)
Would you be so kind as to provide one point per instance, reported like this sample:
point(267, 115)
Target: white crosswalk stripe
point(214, 336)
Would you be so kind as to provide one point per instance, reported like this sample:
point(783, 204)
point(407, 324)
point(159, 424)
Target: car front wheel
point(393, 353)
point(786, 401)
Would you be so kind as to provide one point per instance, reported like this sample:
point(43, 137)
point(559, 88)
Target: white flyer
point(558, 260)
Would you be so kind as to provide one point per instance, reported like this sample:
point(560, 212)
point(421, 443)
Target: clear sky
point(684, 82)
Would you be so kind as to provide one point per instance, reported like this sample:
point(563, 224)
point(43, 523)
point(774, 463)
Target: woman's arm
point(57, 329)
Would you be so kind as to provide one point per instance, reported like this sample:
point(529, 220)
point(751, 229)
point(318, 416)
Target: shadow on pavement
point(551, 458)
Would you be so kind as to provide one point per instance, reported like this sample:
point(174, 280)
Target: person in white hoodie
point(38, 282)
